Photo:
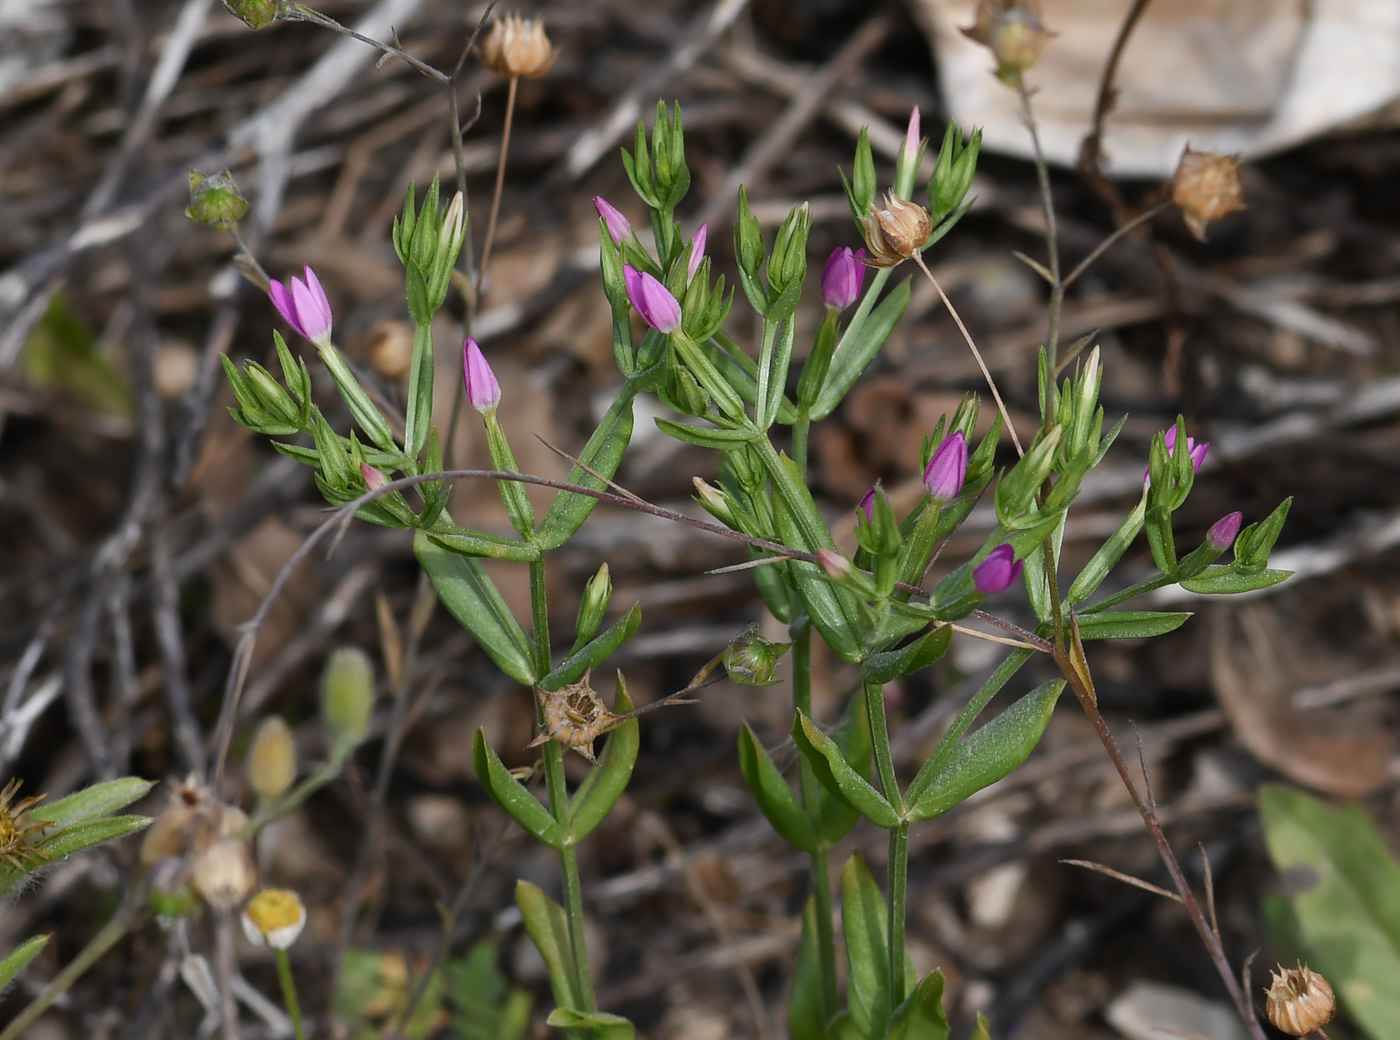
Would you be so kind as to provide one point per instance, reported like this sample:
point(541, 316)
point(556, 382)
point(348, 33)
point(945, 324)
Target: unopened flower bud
point(215, 201)
point(1299, 1000)
point(652, 300)
point(1017, 39)
point(1206, 187)
point(997, 572)
point(372, 477)
point(224, 873)
point(835, 565)
point(347, 695)
point(619, 227)
point(749, 659)
point(843, 277)
point(274, 917)
point(895, 233)
point(697, 251)
point(272, 758)
point(517, 46)
point(714, 501)
point(255, 14)
point(597, 594)
point(911, 136)
point(947, 468)
point(483, 388)
point(1222, 533)
point(867, 503)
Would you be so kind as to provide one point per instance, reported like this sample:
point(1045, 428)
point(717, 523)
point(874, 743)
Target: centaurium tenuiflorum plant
point(884, 608)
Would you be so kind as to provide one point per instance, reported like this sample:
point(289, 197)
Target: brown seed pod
point(1299, 1000)
point(1206, 187)
point(895, 233)
point(517, 46)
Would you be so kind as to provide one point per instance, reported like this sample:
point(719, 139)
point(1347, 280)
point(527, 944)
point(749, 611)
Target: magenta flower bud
point(304, 306)
point(483, 390)
point(652, 300)
point(619, 227)
point(1196, 451)
point(946, 469)
point(997, 571)
point(697, 251)
point(867, 504)
point(842, 277)
point(1222, 533)
point(911, 136)
point(374, 480)
point(835, 565)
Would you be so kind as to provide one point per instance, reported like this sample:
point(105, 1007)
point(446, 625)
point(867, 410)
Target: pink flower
point(652, 300)
point(483, 389)
point(842, 278)
point(911, 136)
point(947, 467)
point(1222, 533)
point(997, 571)
point(304, 306)
point(867, 503)
point(618, 226)
point(697, 251)
point(1196, 451)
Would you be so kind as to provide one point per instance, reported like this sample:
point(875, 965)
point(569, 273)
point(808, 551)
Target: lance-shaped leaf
point(602, 454)
point(596, 1024)
point(92, 802)
point(1129, 624)
point(921, 1016)
point(467, 542)
point(549, 929)
point(774, 796)
point(1103, 561)
point(418, 420)
point(865, 922)
point(1228, 581)
point(806, 1017)
point(852, 736)
point(986, 756)
point(17, 961)
point(864, 338)
point(71, 839)
point(705, 436)
point(513, 796)
point(918, 655)
point(609, 776)
point(473, 599)
point(838, 776)
point(594, 652)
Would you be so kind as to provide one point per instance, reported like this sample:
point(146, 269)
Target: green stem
point(811, 801)
point(899, 836)
point(799, 440)
point(559, 803)
point(100, 943)
point(1052, 248)
point(289, 994)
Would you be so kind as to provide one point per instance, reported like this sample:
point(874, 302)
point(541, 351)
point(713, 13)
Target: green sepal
point(609, 776)
point(1160, 538)
point(921, 1016)
point(860, 190)
point(310, 456)
point(1256, 541)
point(986, 756)
point(1227, 581)
point(472, 598)
point(419, 417)
point(711, 380)
point(806, 1016)
point(548, 926)
point(774, 360)
point(775, 798)
point(294, 372)
point(1129, 624)
point(594, 652)
point(513, 796)
point(602, 454)
point(704, 436)
point(861, 342)
point(272, 398)
point(918, 655)
point(19, 959)
point(488, 546)
point(599, 1025)
point(981, 1029)
point(838, 776)
point(1016, 491)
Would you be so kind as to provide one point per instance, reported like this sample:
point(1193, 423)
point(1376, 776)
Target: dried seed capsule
point(1206, 187)
point(1299, 1000)
point(895, 233)
point(518, 46)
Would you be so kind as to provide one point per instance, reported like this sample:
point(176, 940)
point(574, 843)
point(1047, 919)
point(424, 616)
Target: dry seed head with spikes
point(575, 716)
point(17, 831)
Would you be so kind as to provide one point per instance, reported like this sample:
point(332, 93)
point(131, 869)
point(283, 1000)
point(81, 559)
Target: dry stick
point(500, 186)
point(977, 354)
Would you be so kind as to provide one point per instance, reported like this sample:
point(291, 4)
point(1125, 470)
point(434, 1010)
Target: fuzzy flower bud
point(255, 14)
point(652, 300)
point(895, 233)
point(272, 759)
point(843, 277)
point(1222, 533)
point(518, 46)
point(1206, 187)
point(619, 227)
point(483, 389)
point(304, 306)
point(947, 468)
point(1299, 1001)
point(697, 251)
point(997, 571)
point(274, 917)
point(347, 696)
point(215, 201)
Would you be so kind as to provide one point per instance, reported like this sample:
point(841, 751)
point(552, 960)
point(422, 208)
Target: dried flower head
point(1013, 32)
point(274, 917)
point(224, 874)
point(518, 46)
point(1206, 187)
point(575, 716)
point(895, 233)
point(18, 832)
point(1299, 1000)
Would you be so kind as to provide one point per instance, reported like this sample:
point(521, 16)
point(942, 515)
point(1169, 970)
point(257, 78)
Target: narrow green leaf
point(609, 776)
point(366, 413)
point(852, 736)
point(988, 755)
point(838, 776)
point(602, 454)
point(1227, 581)
point(1103, 561)
point(806, 1019)
point(594, 652)
point(921, 1016)
point(473, 599)
point(704, 436)
point(549, 929)
point(599, 1024)
point(92, 802)
point(466, 542)
point(418, 419)
point(1344, 885)
point(863, 340)
point(17, 961)
point(774, 796)
point(513, 796)
point(70, 840)
point(980, 1029)
point(1130, 624)
point(864, 920)
point(918, 655)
